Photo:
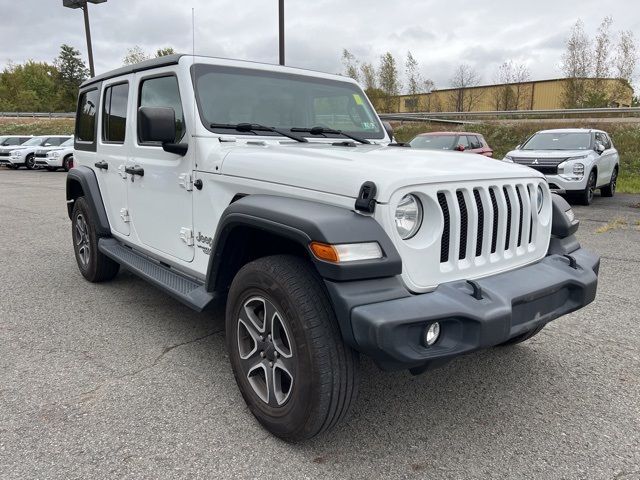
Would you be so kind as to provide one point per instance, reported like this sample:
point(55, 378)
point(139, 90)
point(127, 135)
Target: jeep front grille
point(485, 222)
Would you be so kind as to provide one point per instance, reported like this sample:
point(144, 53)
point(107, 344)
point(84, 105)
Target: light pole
point(84, 5)
point(281, 25)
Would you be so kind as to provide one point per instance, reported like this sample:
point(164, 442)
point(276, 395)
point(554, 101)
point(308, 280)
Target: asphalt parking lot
point(120, 381)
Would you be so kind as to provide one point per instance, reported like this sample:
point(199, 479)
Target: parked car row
point(46, 151)
point(575, 161)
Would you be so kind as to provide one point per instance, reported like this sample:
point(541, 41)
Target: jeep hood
point(341, 170)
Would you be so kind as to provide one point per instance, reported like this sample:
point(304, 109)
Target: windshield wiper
point(324, 131)
point(256, 127)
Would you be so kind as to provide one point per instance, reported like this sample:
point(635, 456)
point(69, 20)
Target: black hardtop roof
point(137, 67)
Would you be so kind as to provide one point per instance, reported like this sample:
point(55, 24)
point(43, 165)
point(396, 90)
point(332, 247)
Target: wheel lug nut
point(271, 364)
point(262, 354)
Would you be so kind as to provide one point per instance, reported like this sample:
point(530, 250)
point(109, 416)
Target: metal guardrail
point(571, 112)
point(38, 114)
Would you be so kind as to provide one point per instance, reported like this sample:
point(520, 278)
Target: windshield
point(230, 95)
point(559, 141)
point(34, 142)
point(434, 142)
point(67, 143)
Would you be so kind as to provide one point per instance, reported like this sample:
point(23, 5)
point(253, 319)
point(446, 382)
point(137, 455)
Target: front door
point(160, 200)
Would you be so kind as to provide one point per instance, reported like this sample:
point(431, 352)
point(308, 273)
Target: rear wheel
point(610, 189)
point(93, 264)
point(293, 369)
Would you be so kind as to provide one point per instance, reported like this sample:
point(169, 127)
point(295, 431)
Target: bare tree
point(513, 90)
point(464, 97)
point(351, 68)
point(576, 62)
point(135, 55)
point(625, 62)
point(388, 81)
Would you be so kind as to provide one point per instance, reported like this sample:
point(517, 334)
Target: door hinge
point(185, 180)
point(186, 235)
point(124, 215)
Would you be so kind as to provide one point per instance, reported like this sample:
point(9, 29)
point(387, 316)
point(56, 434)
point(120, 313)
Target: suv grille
point(41, 154)
point(480, 221)
point(547, 166)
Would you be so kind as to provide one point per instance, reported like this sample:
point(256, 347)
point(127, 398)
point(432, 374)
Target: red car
point(458, 141)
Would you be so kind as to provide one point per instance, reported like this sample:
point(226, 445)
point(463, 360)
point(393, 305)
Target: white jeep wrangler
point(278, 191)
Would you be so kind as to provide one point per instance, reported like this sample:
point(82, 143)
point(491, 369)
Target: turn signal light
point(346, 252)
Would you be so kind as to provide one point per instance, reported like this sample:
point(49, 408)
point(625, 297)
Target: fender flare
point(302, 222)
point(82, 181)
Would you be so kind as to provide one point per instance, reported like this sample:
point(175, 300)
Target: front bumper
point(559, 184)
point(388, 324)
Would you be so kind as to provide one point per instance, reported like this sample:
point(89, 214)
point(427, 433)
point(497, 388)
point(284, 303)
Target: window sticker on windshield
point(358, 99)
point(368, 125)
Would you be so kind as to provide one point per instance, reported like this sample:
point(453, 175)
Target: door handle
point(135, 170)
point(102, 165)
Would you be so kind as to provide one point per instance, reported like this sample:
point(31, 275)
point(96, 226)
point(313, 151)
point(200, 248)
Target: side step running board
point(187, 290)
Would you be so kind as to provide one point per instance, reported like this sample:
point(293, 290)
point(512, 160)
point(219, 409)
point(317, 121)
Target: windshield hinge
point(185, 180)
point(366, 201)
point(186, 235)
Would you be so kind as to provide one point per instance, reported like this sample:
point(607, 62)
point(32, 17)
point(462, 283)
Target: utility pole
point(84, 5)
point(281, 25)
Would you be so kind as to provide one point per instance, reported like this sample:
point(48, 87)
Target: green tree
point(351, 67)
point(30, 87)
point(388, 81)
point(72, 71)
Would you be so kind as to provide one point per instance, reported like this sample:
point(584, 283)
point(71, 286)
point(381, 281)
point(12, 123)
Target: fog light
point(431, 334)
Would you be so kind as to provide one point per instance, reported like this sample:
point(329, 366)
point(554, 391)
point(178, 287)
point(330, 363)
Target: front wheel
point(30, 162)
point(585, 197)
point(610, 189)
point(293, 369)
point(67, 163)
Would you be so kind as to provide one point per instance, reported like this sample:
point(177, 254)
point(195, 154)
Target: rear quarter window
point(86, 120)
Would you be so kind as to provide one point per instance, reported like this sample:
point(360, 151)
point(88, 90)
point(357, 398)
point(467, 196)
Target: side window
point(114, 113)
point(163, 92)
point(462, 140)
point(603, 139)
point(474, 141)
point(607, 141)
point(86, 117)
point(11, 141)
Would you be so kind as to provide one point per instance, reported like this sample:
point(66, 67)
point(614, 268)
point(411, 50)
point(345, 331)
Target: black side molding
point(82, 182)
point(301, 222)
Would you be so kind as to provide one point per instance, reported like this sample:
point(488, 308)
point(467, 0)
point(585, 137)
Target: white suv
point(576, 161)
point(58, 157)
point(277, 191)
point(26, 154)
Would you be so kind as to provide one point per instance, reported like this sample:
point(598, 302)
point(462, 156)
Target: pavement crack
point(90, 394)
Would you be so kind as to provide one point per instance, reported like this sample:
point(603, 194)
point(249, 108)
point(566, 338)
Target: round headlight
point(408, 216)
point(540, 199)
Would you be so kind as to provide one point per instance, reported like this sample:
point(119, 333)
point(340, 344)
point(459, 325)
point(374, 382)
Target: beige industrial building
point(533, 95)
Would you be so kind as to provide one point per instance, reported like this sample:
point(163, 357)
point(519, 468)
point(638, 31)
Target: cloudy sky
point(440, 34)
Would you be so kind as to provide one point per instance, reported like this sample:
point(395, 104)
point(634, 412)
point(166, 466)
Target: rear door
point(160, 200)
point(115, 138)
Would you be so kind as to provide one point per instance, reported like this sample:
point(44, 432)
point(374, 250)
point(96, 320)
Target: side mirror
point(599, 147)
point(158, 124)
point(389, 129)
point(518, 147)
point(460, 148)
